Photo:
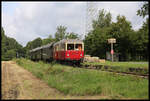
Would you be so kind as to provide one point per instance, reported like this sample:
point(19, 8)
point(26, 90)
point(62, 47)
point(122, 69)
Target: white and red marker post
point(112, 40)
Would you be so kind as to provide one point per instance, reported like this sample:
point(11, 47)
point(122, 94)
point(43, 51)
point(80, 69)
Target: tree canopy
point(130, 44)
point(10, 47)
point(62, 34)
point(144, 10)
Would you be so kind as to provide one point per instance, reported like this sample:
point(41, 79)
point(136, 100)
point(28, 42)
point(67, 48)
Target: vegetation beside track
point(78, 81)
point(122, 64)
point(140, 68)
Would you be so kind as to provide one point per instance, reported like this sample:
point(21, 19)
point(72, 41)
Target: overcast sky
point(26, 21)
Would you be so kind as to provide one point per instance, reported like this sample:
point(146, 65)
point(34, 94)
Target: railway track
point(126, 73)
point(146, 76)
point(117, 72)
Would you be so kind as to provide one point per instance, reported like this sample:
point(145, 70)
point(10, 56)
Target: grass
point(79, 81)
point(123, 66)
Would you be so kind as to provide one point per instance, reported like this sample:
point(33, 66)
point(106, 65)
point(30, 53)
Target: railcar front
point(70, 50)
point(74, 51)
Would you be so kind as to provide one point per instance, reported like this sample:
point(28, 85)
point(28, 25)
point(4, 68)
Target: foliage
point(130, 44)
point(71, 35)
point(104, 20)
point(96, 41)
point(34, 44)
point(62, 34)
point(10, 47)
point(47, 40)
point(140, 68)
point(140, 40)
point(122, 31)
point(122, 64)
point(144, 10)
point(10, 54)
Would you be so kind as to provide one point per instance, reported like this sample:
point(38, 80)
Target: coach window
point(78, 47)
point(59, 47)
point(63, 47)
point(56, 47)
point(70, 46)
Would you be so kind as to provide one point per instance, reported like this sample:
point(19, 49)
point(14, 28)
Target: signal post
point(111, 41)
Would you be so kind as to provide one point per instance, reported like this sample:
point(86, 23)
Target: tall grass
point(79, 81)
point(123, 64)
point(134, 67)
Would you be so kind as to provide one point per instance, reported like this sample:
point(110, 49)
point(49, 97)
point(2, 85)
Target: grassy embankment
point(136, 67)
point(78, 81)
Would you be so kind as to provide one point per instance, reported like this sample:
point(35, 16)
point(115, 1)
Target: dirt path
point(18, 83)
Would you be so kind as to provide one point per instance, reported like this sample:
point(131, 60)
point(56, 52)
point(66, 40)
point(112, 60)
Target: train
point(66, 50)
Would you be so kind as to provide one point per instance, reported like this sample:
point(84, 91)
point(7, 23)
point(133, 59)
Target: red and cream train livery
point(69, 50)
point(64, 50)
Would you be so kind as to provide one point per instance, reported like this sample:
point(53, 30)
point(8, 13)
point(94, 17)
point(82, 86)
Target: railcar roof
point(42, 47)
point(69, 41)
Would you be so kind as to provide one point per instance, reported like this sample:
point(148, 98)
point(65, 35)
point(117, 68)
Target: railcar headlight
point(67, 54)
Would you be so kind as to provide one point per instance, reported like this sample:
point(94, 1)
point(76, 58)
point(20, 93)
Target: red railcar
point(69, 50)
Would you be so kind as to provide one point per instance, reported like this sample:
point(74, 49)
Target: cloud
point(36, 19)
point(29, 20)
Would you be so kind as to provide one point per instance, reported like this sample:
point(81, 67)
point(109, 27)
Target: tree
point(122, 31)
point(104, 20)
point(37, 42)
point(96, 39)
point(10, 47)
point(142, 41)
point(47, 40)
point(142, 33)
point(96, 42)
point(144, 10)
point(34, 44)
point(2, 33)
point(61, 32)
point(10, 54)
point(3, 38)
point(71, 35)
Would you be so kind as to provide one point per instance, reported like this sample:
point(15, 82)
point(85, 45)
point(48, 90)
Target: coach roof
point(42, 47)
point(69, 41)
point(48, 45)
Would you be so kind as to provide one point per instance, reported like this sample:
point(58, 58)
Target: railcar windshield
point(74, 47)
point(78, 47)
point(70, 46)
